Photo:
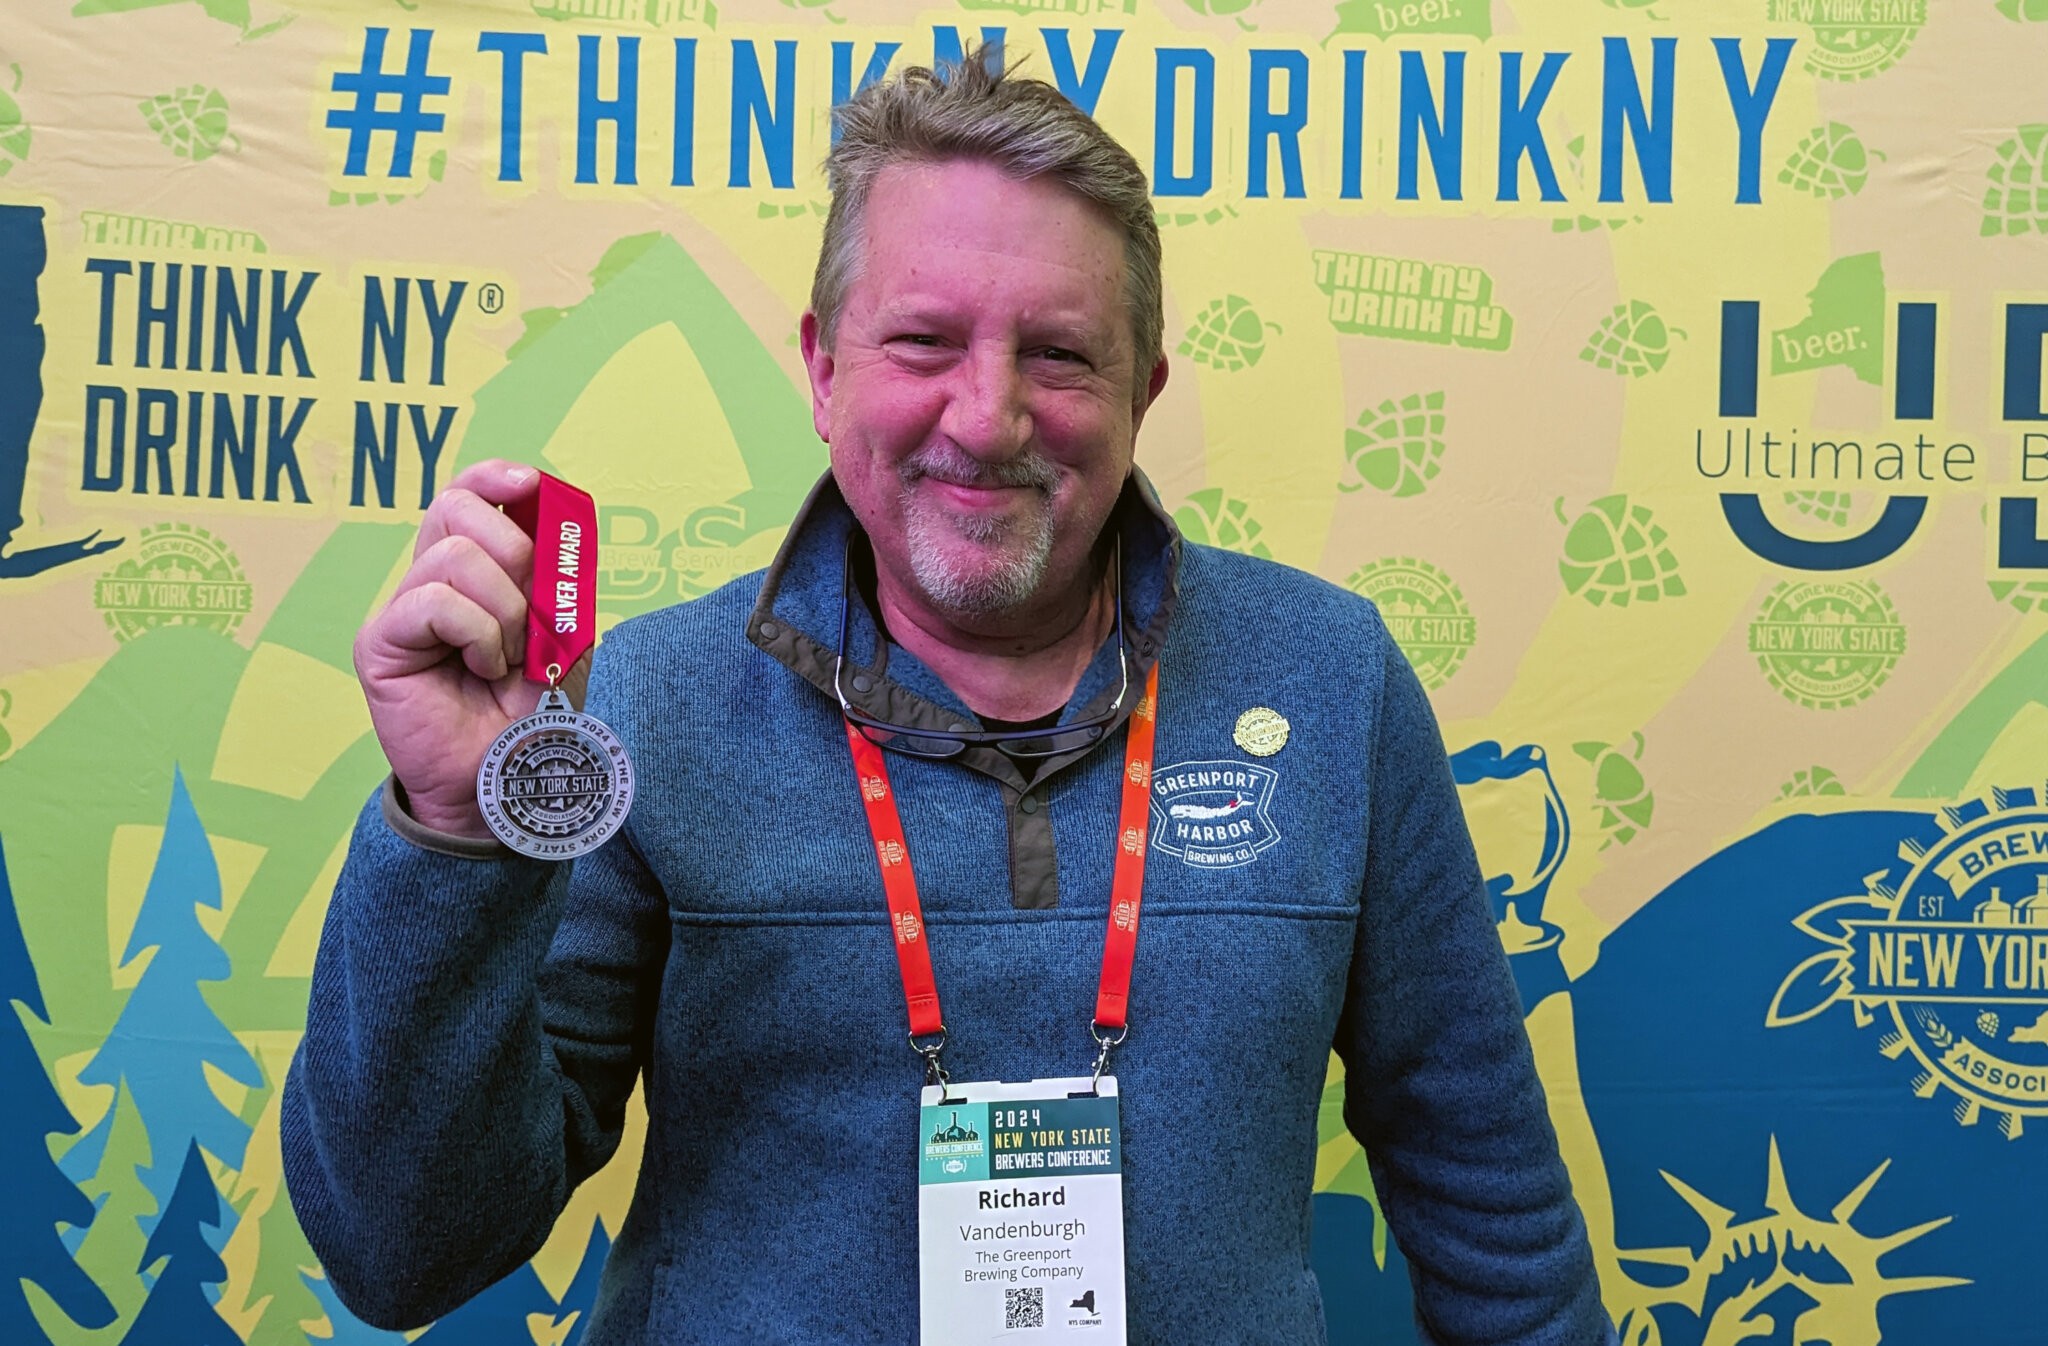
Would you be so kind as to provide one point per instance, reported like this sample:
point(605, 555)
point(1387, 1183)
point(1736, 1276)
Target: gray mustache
point(963, 469)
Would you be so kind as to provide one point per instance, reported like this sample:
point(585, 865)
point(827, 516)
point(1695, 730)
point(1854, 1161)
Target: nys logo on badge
point(1213, 814)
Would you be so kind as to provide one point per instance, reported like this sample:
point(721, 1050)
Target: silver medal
point(556, 784)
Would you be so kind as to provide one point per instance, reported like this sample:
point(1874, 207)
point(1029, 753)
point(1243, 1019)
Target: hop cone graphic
point(2016, 193)
point(1632, 341)
point(1831, 162)
point(1812, 782)
point(1987, 1023)
point(1221, 521)
point(1614, 554)
point(1622, 800)
point(2026, 595)
point(1397, 446)
point(1227, 335)
point(192, 123)
point(1830, 507)
point(14, 129)
point(1586, 224)
point(437, 170)
point(1575, 163)
point(1175, 218)
point(2024, 11)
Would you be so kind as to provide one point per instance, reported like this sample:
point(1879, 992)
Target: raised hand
point(441, 665)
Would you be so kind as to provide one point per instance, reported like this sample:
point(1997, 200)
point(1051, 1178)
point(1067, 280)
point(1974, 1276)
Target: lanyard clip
point(934, 1070)
point(1106, 1043)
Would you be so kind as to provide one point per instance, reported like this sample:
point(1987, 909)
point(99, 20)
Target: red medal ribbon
point(1127, 887)
point(561, 608)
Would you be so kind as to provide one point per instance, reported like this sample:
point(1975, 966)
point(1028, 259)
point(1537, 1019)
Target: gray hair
point(978, 110)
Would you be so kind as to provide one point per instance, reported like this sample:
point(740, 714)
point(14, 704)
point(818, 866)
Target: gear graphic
point(178, 575)
point(1424, 611)
point(1961, 893)
point(1827, 644)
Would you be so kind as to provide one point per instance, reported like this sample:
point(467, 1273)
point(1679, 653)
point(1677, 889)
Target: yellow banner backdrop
point(1670, 372)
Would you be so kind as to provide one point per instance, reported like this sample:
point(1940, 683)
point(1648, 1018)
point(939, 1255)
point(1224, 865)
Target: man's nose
point(987, 414)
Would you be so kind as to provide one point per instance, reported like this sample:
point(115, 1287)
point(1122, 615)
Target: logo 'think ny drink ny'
point(1848, 325)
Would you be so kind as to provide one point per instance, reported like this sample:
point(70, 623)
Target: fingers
point(428, 621)
point(498, 481)
point(470, 507)
point(463, 565)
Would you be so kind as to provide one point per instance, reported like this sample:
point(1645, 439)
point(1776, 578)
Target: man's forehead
point(915, 298)
point(938, 235)
point(970, 204)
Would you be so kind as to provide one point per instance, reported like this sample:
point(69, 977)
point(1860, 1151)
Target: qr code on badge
point(1024, 1308)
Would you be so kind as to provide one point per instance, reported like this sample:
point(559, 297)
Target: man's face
point(981, 397)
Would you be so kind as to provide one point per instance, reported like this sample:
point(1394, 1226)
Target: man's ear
point(818, 365)
point(1154, 385)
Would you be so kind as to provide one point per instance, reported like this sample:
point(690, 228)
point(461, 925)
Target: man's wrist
point(432, 833)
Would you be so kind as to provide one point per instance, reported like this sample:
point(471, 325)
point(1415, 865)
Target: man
point(983, 584)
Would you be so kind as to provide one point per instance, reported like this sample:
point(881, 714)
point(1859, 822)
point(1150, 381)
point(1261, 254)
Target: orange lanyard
point(906, 912)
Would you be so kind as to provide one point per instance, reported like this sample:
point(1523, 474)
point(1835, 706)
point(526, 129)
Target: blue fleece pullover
point(479, 1020)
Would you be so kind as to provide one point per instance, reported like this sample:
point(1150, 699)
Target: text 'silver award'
point(557, 784)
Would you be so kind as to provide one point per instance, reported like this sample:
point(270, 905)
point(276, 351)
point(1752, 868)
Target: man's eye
point(923, 339)
point(1062, 354)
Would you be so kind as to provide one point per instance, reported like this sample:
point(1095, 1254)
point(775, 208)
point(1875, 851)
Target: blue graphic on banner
point(581, 1296)
point(39, 1196)
point(496, 1316)
point(1810, 1180)
point(180, 1303)
point(1361, 1302)
point(166, 1037)
point(344, 1328)
point(1521, 888)
point(23, 254)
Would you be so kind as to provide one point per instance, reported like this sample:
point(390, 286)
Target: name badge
point(1020, 1213)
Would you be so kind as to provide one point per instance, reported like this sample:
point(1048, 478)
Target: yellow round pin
point(1262, 731)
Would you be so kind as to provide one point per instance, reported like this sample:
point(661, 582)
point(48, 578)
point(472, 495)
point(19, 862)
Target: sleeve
point(476, 1028)
point(1443, 1091)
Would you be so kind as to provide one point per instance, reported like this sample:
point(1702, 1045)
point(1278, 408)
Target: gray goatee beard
point(1015, 552)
